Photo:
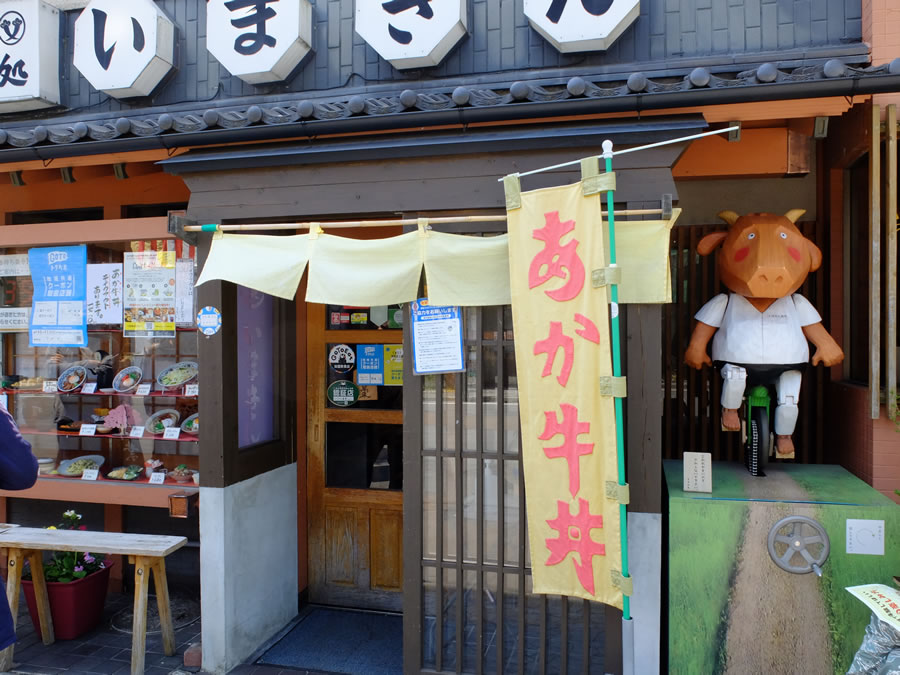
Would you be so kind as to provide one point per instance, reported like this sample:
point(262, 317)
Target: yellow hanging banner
point(561, 322)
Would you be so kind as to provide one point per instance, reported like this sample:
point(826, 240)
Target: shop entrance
point(355, 451)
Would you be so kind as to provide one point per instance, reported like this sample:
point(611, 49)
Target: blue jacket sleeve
point(18, 465)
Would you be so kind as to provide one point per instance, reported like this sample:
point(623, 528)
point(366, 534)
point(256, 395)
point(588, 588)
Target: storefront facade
point(414, 501)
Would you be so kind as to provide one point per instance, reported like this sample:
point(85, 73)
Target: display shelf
point(152, 394)
point(126, 493)
point(184, 438)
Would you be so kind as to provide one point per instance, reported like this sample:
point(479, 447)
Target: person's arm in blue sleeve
point(18, 465)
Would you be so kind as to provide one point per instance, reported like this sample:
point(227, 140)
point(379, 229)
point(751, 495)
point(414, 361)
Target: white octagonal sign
point(411, 33)
point(259, 41)
point(124, 48)
point(581, 25)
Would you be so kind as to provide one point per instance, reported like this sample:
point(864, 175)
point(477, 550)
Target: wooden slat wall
point(691, 409)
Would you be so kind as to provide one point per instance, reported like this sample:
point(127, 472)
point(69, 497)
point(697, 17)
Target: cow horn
point(794, 214)
point(728, 216)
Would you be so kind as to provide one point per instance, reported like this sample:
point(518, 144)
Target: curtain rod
point(339, 224)
point(627, 150)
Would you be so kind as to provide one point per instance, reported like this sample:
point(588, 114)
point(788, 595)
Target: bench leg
point(142, 566)
point(162, 603)
point(13, 586)
point(41, 598)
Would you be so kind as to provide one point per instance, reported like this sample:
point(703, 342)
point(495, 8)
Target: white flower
point(70, 513)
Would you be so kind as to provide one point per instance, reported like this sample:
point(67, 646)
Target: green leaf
point(79, 575)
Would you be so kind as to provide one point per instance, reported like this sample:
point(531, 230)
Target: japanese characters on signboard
point(150, 294)
point(437, 338)
point(104, 294)
point(259, 41)
point(411, 33)
point(581, 25)
point(58, 313)
point(124, 49)
point(29, 55)
point(568, 429)
point(16, 290)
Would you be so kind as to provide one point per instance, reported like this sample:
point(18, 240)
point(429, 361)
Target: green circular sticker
point(343, 393)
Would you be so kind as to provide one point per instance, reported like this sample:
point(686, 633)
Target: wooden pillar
point(890, 291)
point(875, 264)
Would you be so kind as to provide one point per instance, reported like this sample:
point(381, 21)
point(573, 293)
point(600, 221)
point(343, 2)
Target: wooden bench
point(146, 552)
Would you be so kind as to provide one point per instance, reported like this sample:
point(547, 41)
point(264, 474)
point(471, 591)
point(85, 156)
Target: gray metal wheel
point(799, 545)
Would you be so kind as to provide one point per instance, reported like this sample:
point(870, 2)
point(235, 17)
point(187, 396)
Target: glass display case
point(124, 407)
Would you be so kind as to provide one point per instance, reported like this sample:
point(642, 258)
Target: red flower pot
point(75, 606)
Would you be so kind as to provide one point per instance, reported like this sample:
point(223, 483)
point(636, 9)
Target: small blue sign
point(209, 320)
point(59, 308)
point(370, 364)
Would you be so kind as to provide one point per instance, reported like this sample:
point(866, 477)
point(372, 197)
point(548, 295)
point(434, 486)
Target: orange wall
point(881, 29)
point(94, 186)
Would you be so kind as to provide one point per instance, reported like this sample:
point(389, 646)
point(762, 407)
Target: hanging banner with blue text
point(568, 429)
point(437, 338)
point(58, 312)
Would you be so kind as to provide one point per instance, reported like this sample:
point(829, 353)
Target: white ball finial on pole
point(607, 149)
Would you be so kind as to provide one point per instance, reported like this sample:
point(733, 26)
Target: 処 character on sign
point(557, 259)
point(397, 6)
point(575, 537)
point(571, 450)
point(592, 7)
point(251, 42)
point(13, 73)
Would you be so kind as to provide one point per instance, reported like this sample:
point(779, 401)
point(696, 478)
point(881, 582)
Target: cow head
point(763, 255)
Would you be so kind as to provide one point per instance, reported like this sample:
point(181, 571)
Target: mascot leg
point(788, 388)
point(733, 385)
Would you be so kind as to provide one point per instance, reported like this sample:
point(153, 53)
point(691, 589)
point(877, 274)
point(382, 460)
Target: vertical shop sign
point(437, 338)
point(581, 25)
point(568, 428)
point(124, 49)
point(104, 294)
point(58, 314)
point(150, 294)
point(411, 33)
point(184, 292)
point(29, 55)
point(259, 41)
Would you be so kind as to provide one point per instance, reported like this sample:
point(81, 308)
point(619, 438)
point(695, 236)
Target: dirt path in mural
point(776, 620)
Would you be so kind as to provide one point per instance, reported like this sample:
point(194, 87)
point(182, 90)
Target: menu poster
point(184, 292)
point(150, 294)
point(58, 314)
point(437, 338)
point(104, 294)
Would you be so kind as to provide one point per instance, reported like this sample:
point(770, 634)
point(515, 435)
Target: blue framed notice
point(58, 310)
point(437, 338)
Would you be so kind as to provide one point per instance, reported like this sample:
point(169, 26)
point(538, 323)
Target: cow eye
point(784, 235)
point(752, 235)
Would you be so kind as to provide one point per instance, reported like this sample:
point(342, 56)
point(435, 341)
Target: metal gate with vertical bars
point(468, 601)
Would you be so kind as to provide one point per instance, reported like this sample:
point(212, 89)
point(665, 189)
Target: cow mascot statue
point(761, 326)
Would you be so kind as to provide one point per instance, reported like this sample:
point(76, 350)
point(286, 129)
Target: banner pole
point(627, 626)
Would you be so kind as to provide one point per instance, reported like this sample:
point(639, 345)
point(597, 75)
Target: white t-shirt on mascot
point(747, 336)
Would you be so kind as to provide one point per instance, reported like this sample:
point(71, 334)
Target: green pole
point(617, 372)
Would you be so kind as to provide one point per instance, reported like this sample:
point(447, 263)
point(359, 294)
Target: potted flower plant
point(76, 586)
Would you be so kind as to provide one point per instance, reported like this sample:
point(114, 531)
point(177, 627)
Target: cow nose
point(765, 278)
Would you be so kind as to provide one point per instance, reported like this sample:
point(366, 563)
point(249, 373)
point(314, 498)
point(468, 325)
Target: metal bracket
point(618, 493)
point(612, 386)
point(624, 584)
point(667, 206)
point(606, 276)
point(177, 223)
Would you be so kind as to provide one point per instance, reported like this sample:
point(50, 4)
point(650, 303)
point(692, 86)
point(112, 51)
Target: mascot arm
point(828, 352)
point(696, 356)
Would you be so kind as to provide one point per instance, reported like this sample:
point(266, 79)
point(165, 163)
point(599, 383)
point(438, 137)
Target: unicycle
point(759, 438)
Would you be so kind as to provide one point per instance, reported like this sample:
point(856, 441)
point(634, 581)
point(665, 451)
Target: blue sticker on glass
point(58, 309)
point(209, 320)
